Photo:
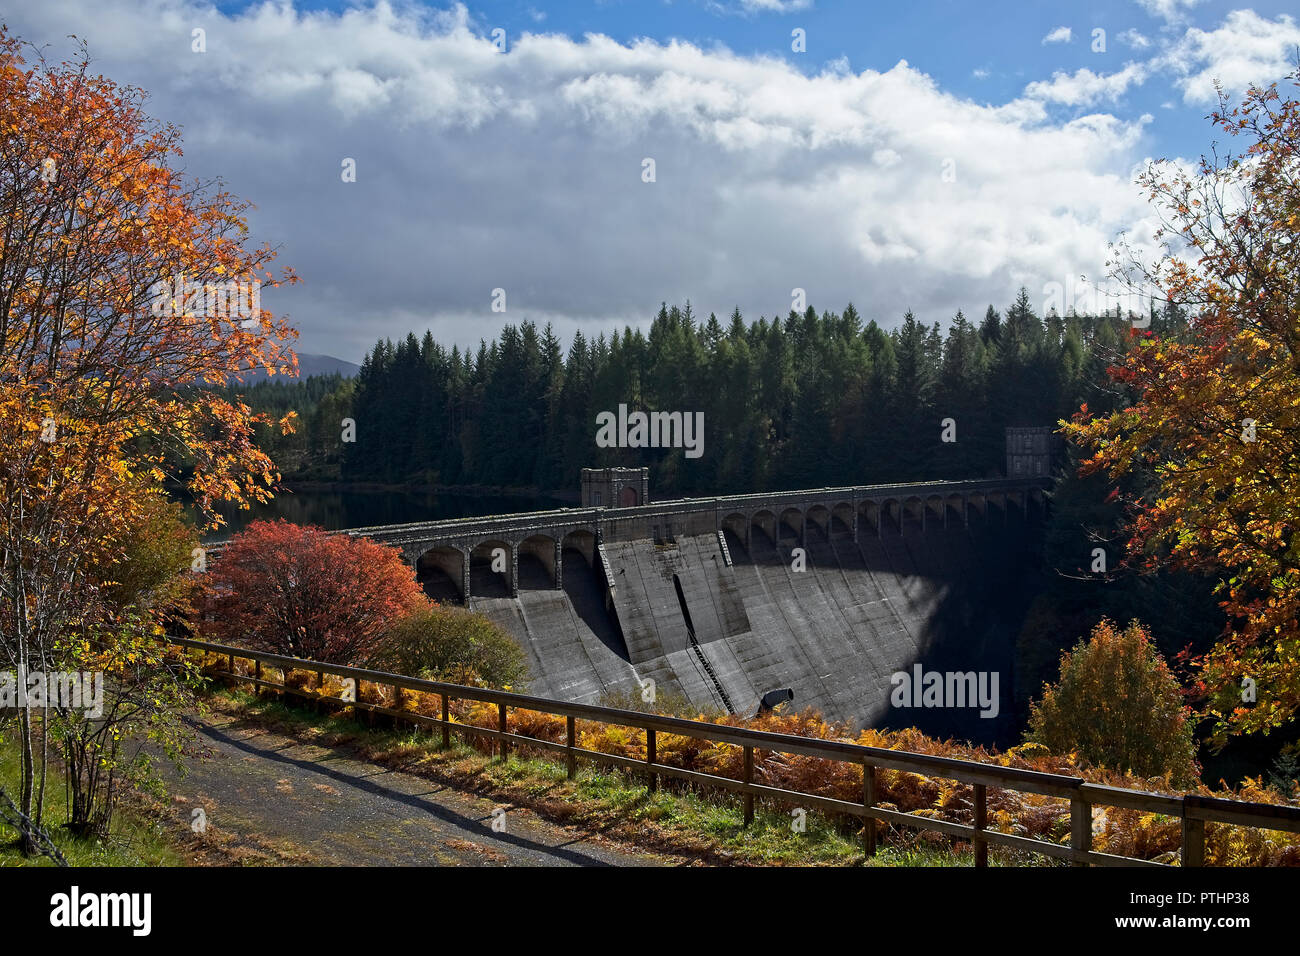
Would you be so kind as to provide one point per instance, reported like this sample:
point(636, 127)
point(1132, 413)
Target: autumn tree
point(125, 289)
point(148, 573)
point(302, 592)
point(452, 644)
point(1205, 446)
point(142, 687)
point(1118, 705)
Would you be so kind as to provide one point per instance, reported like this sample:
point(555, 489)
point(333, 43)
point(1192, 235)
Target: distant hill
point(309, 365)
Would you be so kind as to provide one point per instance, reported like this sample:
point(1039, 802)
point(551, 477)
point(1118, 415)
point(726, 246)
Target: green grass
point(135, 840)
point(704, 824)
point(717, 817)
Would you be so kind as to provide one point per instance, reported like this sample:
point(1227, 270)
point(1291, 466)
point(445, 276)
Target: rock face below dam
point(721, 627)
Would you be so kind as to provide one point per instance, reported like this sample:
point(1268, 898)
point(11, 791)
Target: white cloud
point(1246, 48)
point(1059, 35)
point(840, 65)
point(1085, 88)
point(1134, 39)
point(1171, 11)
point(774, 6)
point(980, 74)
point(478, 170)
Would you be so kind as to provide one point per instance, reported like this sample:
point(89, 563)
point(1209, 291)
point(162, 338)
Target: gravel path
point(317, 806)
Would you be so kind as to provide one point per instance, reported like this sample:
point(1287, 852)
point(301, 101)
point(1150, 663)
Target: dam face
point(829, 592)
point(835, 632)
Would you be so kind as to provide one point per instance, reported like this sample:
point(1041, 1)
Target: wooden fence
point(1193, 810)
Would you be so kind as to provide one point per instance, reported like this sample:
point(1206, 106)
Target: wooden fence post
point(1080, 827)
point(446, 722)
point(501, 726)
point(868, 802)
point(749, 779)
point(370, 714)
point(571, 758)
point(650, 758)
point(1193, 839)
point(981, 845)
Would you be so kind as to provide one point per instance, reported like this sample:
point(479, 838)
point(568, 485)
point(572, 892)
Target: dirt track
point(310, 805)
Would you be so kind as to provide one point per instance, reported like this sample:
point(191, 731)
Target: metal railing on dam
point(1192, 810)
point(902, 491)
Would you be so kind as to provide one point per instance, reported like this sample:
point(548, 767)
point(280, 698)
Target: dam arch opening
point(790, 529)
point(492, 569)
point(762, 532)
point(735, 531)
point(841, 525)
point(537, 567)
point(582, 578)
point(441, 573)
point(817, 524)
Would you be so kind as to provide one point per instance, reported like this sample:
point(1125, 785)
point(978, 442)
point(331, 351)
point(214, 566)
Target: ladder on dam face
point(708, 669)
point(604, 564)
point(722, 546)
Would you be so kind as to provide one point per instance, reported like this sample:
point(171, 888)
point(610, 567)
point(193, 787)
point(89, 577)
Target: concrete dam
point(827, 592)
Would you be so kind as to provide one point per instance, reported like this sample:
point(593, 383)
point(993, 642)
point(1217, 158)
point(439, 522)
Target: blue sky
point(926, 155)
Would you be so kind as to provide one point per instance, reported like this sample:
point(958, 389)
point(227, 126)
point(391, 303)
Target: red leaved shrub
point(301, 592)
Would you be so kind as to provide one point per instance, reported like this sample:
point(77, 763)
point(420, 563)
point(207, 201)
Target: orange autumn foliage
point(102, 379)
point(1119, 705)
point(1206, 447)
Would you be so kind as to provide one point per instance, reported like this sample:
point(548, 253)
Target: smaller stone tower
point(1029, 452)
point(615, 487)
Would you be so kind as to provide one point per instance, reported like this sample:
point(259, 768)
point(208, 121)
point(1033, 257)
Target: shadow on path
point(373, 807)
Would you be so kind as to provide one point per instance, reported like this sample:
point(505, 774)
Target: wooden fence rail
point(1193, 810)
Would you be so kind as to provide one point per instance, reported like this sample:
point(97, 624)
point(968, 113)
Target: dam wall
point(825, 591)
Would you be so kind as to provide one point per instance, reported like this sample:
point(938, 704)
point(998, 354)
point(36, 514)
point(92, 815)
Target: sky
point(932, 155)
